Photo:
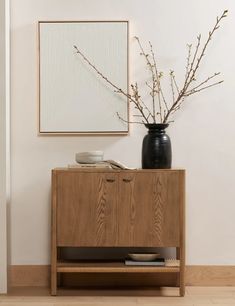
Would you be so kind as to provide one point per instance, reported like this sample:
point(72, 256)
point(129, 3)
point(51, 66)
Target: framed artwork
point(73, 98)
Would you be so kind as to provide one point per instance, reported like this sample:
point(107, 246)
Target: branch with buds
point(161, 110)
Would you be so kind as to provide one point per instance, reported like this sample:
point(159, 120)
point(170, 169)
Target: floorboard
point(195, 296)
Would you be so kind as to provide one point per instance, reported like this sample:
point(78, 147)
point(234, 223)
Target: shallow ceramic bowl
point(143, 256)
point(90, 157)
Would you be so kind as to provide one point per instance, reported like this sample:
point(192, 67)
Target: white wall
point(4, 138)
point(202, 134)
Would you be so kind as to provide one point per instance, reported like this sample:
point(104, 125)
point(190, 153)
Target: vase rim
point(156, 125)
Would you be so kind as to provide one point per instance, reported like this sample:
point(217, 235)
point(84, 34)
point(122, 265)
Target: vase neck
point(158, 128)
point(156, 131)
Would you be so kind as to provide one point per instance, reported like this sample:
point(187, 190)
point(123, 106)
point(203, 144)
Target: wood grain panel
point(159, 197)
point(149, 209)
point(39, 275)
point(86, 209)
point(110, 267)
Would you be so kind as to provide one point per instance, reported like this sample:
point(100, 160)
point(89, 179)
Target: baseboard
point(210, 276)
point(28, 275)
point(39, 275)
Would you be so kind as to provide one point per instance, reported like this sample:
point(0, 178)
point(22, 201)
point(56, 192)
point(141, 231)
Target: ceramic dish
point(90, 157)
point(143, 256)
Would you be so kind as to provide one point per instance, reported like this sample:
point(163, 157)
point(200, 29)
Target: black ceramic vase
point(156, 149)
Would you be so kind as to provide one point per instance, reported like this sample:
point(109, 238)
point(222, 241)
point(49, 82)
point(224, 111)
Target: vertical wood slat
point(53, 234)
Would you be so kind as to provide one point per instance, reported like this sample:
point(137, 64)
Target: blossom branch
point(126, 121)
point(208, 79)
point(193, 69)
point(193, 91)
point(188, 60)
point(160, 108)
point(119, 90)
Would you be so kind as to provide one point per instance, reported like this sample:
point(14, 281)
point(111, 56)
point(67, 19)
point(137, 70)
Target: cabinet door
point(86, 209)
point(149, 209)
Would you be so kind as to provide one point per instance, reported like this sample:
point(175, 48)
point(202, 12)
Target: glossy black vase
point(156, 149)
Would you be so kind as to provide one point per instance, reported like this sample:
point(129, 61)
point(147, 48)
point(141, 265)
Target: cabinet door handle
point(127, 180)
point(110, 180)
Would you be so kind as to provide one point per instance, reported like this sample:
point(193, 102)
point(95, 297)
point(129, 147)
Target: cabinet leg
point(180, 256)
point(53, 283)
point(182, 290)
point(182, 284)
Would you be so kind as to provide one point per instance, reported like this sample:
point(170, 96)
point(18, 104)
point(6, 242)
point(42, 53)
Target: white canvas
point(73, 97)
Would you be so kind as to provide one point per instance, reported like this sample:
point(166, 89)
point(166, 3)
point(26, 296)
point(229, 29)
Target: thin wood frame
point(81, 133)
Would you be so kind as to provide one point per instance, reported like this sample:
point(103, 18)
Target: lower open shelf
point(109, 267)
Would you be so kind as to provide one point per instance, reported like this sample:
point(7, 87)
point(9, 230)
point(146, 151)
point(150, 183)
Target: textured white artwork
point(73, 97)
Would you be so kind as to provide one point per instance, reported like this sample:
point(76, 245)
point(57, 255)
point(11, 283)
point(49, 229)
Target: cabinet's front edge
point(133, 269)
point(182, 231)
point(53, 233)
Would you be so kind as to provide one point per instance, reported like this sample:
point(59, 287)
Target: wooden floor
point(195, 296)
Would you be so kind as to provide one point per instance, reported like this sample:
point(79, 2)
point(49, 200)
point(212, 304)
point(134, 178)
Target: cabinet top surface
point(100, 170)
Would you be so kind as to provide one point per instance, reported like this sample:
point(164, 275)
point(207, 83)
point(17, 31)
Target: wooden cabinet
point(107, 208)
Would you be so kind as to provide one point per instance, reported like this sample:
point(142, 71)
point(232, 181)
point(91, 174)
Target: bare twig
point(172, 86)
point(216, 27)
point(155, 80)
point(119, 90)
point(193, 91)
point(139, 101)
point(194, 58)
point(208, 79)
point(188, 60)
point(175, 83)
point(126, 121)
point(165, 103)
